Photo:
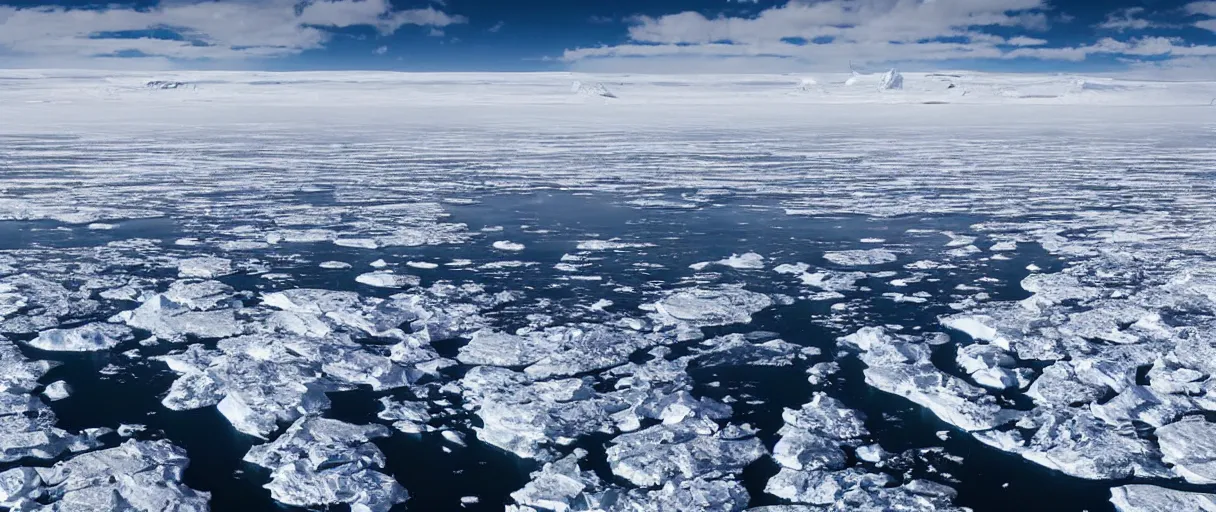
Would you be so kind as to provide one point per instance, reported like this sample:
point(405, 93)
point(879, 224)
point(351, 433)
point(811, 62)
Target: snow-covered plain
point(1097, 364)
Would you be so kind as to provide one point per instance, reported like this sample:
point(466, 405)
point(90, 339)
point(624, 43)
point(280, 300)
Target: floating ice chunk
point(1075, 443)
point(1189, 446)
point(903, 368)
point(1003, 247)
point(857, 258)
point(488, 347)
point(321, 462)
point(127, 430)
point(379, 264)
point(57, 390)
point(1150, 498)
point(979, 327)
point(737, 350)
point(662, 204)
point(695, 494)
point(610, 245)
point(963, 252)
point(791, 268)
point(989, 366)
point(1049, 289)
point(408, 417)
point(819, 373)
point(187, 242)
point(526, 418)
point(168, 319)
point(811, 437)
point(243, 245)
point(387, 279)
point(672, 452)
point(587, 347)
point(89, 338)
point(138, 475)
point(260, 381)
point(201, 295)
point(357, 243)
point(504, 245)
point(701, 307)
point(362, 489)
point(423, 265)
point(101, 226)
point(454, 437)
point(600, 305)
point(577, 349)
point(313, 301)
point(335, 265)
point(852, 489)
point(558, 485)
point(871, 453)
point(469, 500)
point(206, 267)
point(745, 261)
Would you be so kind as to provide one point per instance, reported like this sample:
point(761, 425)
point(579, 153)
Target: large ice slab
point(320, 462)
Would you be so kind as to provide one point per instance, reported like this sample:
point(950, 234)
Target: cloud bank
point(832, 34)
point(217, 30)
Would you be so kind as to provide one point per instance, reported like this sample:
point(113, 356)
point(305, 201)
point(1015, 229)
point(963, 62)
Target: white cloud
point(858, 30)
point(496, 27)
point(381, 50)
point(1207, 8)
point(865, 31)
point(1141, 47)
point(226, 29)
point(1026, 41)
point(1182, 68)
point(850, 20)
point(1126, 19)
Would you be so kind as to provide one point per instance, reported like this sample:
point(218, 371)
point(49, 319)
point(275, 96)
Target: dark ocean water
point(550, 224)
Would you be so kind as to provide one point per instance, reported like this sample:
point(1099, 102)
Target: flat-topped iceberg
point(860, 257)
point(703, 307)
point(89, 338)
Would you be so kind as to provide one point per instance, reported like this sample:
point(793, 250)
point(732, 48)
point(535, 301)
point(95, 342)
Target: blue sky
point(619, 36)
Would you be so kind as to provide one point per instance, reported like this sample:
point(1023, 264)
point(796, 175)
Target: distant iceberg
point(591, 89)
point(891, 80)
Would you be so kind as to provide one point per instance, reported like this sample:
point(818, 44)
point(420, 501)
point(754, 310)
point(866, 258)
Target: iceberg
point(320, 462)
point(387, 279)
point(89, 338)
point(860, 258)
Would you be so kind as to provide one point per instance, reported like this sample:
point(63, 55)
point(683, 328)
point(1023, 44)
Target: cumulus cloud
point(831, 33)
point(224, 29)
